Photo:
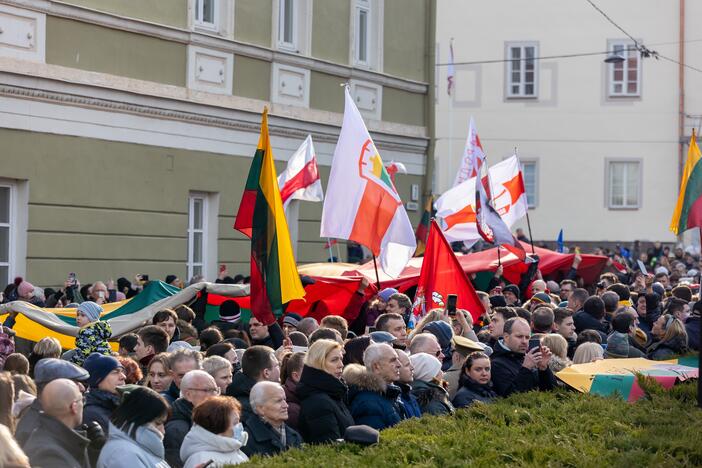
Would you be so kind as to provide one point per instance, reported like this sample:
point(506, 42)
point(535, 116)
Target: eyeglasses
point(214, 390)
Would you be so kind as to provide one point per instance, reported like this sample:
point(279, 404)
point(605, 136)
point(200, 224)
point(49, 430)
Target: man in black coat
point(55, 442)
point(268, 432)
point(324, 415)
point(258, 363)
point(514, 367)
point(591, 317)
point(196, 387)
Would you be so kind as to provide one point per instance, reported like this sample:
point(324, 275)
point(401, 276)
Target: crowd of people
point(181, 392)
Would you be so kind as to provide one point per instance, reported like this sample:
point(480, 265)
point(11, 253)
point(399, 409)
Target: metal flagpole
point(531, 237)
point(331, 252)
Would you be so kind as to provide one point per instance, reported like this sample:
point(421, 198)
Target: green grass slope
point(535, 429)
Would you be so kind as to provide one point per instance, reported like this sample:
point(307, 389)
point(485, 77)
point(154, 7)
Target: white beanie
point(426, 366)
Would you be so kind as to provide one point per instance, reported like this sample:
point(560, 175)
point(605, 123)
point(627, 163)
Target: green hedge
point(536, 429)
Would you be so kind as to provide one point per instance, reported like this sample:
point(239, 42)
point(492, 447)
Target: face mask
point(238, 432)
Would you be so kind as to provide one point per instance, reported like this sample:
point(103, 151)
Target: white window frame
point(192, 230)
point(17, 232)
point(510, 65)
point(628, 49)
point(223, 24)
point(291, 46)
point(609, 189)
point(199, 10)
point(302, 27)
point(533, 201)
point(374, 34)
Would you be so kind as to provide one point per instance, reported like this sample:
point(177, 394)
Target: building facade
point(600, 143)
point(127, 127)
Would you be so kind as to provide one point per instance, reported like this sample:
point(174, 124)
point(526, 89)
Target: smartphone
point(534, 343)
point(222, 267)
point(101, 294)
point(72, 278)
point(451, 304)
point(145, 278)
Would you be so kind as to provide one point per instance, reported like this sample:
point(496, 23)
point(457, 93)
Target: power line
point(636, 42)
point(545, 57)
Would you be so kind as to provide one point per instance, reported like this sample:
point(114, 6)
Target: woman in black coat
point(475, 382)
point(324, 415)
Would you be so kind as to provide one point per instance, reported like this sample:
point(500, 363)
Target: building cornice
point(174, 34)
point(98, 91)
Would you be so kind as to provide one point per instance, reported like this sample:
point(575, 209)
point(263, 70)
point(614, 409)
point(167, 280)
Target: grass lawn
point(561, 428)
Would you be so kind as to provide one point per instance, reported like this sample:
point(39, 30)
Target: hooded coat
point(201, 446)
point(432, 398)
point(92, 339)
point(177, 427)
point(372, 402)
point(324, 415)
point(509, 376)
point(121, 451)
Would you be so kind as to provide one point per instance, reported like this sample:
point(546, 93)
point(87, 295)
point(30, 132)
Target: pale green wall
point(403, 107)
point(168, 12)
point(405, 40)
point(325, 92)
point(108, 209)
point(252, 78)
point(88, 47)
point(331, 21)
point(253, 21)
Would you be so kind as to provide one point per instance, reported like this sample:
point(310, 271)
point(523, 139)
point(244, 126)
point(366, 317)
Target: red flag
point(442, 275)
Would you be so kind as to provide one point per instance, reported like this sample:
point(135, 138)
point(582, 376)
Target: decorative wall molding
point(170, 33)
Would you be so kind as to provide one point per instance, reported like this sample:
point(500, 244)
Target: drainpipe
point(430, 67)
point(681, 92)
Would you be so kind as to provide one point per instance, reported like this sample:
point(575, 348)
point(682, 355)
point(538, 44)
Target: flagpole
point(331, 252)
point(338, 252)
point(450, 138)
point(531, 237)
point(377, 277)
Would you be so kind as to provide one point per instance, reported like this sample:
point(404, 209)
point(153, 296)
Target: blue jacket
point(372, 402)
point(410, 405)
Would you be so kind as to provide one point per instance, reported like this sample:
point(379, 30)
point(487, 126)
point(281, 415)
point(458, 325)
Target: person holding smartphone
point(519, 362)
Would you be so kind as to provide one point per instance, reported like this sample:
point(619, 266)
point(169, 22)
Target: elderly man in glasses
point(196, 387)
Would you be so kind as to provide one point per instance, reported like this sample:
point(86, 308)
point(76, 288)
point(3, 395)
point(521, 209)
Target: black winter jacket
point(471, 391)
point(264, 440)
point(240, 388)
point(509, 376)
point(324, 415)
point(99, 406)
point(177, 427)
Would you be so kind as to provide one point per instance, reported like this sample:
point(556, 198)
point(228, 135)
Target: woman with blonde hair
point(672, 338)
point(324, 415)
point(559, 349)
point(588, 352)
point(47, 347)
point(10, 452)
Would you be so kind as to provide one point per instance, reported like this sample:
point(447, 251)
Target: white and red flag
point(473, 157)
point(300, 179)
point(455, 209)
point(362, 203)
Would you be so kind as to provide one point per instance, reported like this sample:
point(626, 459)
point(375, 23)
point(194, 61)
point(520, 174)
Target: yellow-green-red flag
point(688, 210)
point(274, 277)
